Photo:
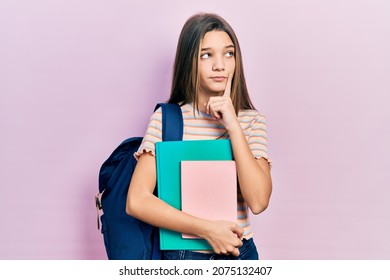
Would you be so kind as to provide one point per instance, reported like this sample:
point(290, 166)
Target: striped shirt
point(201, 126)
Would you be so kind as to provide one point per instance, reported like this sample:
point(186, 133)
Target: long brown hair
point(185, 70)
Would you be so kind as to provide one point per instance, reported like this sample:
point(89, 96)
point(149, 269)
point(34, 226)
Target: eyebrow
point(227, 47)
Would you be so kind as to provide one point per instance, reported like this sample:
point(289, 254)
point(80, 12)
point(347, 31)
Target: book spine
point(159, 190)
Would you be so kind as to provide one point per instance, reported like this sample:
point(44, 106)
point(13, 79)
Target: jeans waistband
point(247, 251)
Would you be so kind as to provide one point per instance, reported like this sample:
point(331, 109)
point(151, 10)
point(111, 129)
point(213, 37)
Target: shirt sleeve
point(258, 141)
point(152, 136)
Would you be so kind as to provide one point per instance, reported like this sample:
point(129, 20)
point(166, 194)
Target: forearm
point(223, 236)
point(154, 211)
point(253, 175)
point(144, 205)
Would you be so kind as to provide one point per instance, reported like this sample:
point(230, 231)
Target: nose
point(218, 64)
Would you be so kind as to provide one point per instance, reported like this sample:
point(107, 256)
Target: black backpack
point(125, 237)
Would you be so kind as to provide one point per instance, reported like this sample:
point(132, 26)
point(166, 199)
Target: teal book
point(168, 159)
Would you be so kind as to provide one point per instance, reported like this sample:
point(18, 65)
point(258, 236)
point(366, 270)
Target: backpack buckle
point(98, 205)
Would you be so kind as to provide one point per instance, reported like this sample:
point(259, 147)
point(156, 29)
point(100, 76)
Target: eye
point(205, 55)
point(230, 54)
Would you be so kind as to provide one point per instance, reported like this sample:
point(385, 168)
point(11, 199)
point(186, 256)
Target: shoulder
point(251, 116)
point(185, 108)
point(157, 113)
point(156, 118)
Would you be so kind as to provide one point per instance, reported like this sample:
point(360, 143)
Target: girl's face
point(216, 60)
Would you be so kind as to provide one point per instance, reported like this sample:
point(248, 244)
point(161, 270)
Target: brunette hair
point(185, 70)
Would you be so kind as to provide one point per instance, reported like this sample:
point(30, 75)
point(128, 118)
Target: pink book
point(209, 190)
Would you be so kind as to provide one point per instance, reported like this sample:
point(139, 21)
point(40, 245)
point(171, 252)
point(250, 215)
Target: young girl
point(209, 84)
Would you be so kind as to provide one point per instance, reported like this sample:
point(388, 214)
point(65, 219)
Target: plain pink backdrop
point(78, 77)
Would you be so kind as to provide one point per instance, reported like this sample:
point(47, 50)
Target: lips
point(218, 78)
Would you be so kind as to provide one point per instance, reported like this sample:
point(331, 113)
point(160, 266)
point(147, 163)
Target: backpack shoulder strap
point(172, 121)
point(172, 130)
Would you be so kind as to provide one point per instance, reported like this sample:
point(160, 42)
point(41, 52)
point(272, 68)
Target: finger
point(215, 114)
point(221, 108)
point(236, 252)
point(228, 87)
point(239, 243)
point(215, 110)
point(218, 108)
point(237, 230)
point(208, 105)
point(241, 233)
point(219, 102)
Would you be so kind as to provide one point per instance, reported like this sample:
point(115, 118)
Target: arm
point(142, 204)
point(253, 175)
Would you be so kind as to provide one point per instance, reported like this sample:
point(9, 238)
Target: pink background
point(78, 77)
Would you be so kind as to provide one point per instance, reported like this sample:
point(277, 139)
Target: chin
point(216, 91)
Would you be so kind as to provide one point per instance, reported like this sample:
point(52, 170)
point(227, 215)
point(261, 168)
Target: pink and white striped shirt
point(201, 126)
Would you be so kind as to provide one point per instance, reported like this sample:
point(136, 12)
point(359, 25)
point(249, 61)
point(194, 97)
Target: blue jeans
point(248, 251)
